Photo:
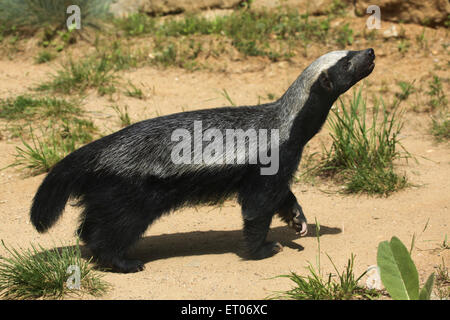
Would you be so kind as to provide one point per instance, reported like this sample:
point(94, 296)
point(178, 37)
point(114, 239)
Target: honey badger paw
point(129, 266)
point(291, 213)
point(298, 222)
point(122, 265)
point(267, 250)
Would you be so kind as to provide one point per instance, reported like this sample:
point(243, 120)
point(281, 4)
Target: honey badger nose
point(371, 53)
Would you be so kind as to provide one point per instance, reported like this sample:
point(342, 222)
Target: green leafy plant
point(399, 274)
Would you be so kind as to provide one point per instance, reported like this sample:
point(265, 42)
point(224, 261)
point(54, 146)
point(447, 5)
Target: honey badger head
point(338, 71)
point(319, 86)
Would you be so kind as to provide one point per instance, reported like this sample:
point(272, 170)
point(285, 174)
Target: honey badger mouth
point(368, 63)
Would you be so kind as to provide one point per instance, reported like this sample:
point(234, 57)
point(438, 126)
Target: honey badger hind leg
point(110, 228)
point(110, 241)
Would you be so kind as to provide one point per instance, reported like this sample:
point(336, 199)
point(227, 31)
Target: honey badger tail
point(52, 195)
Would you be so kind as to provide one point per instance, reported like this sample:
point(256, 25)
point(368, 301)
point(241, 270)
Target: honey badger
point(127, 180)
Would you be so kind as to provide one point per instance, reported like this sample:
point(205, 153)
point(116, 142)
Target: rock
point(303, 6)
point(214, 13)
point(430, 12)
point(174, 6)
point(123, 8)
point(390, 33)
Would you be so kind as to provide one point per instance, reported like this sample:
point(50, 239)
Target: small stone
point(390, 33)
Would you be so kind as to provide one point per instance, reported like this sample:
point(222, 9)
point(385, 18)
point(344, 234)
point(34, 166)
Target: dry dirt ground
point(196, 253)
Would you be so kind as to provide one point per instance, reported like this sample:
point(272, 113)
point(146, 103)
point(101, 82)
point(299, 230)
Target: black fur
point(127, 180)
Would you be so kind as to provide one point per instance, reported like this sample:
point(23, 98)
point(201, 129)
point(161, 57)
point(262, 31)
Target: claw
point(298, 221)
point(304, 229)
point(277, 247)
point(300, 225)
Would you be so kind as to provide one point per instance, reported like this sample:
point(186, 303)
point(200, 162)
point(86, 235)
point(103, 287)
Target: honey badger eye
point(347, 64)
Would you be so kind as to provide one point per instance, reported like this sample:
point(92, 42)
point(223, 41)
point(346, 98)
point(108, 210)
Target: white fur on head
point(323, 63)
point(298, 93)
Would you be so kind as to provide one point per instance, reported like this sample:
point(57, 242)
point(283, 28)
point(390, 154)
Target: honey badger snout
point(363, 63)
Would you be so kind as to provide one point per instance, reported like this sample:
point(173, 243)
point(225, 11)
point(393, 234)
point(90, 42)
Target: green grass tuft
point(53, 144)
point(363, 151)
point(440, 125)
point(437, 95)
point(97, 71)
point(61, 130)
point(77, 77)
point(44, 56)
point(315, 286)
point(345, 36)
point(27, 107)
point(440, 120)
point(27, 16)
point(406, 89)
point(124, 116)
point(134, 91)
point(443, 280)
point(40, 273)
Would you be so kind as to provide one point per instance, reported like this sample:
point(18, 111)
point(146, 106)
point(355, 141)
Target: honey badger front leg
point(291, 213)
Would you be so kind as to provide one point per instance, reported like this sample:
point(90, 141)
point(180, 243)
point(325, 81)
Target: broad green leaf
point(425, 293)
point(397, 270)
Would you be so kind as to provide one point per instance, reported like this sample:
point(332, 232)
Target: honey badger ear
point(325, 81)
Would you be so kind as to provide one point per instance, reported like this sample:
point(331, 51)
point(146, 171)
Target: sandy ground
point(197, 253)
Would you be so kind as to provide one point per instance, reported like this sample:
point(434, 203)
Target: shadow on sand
point(151, 248)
